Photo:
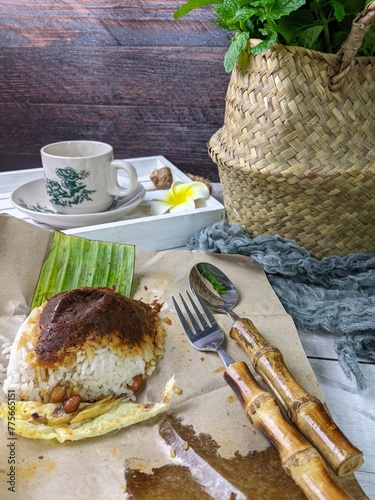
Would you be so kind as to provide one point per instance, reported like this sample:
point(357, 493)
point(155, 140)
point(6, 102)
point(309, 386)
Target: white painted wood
point(11, 180)
point(354, 413)
point(316, 343)
point(139, 227)
point(152, 233)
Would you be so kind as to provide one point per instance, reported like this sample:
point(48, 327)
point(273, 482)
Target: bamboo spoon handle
point(298, 458)
point(305, 411)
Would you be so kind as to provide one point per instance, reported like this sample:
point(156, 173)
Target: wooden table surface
point(125, 73)
point(354, 413)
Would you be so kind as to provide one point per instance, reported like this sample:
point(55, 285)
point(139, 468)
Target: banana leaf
point(73, 262)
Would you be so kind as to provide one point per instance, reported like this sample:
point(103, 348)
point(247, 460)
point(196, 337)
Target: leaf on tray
point(73, 262)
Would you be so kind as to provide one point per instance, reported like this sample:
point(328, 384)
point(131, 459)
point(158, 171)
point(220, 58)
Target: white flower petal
point(159, 207)
point(180, 197)
point(200, 190)
point(193, 190)
point(184, 207)
point(177, 185)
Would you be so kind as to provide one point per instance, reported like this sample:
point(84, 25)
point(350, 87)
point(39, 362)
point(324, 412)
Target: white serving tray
point(138, 228)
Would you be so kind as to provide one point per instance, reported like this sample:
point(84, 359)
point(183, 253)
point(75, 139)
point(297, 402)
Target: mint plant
point(314, 24)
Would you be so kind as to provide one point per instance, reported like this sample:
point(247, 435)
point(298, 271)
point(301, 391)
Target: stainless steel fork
point(204, 333)
point(299, 458)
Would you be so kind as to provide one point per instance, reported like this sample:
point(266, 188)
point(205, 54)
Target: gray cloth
point(334, 294)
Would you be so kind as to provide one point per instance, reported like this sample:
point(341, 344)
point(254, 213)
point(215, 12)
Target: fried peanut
point(137, 382)
point(72, 404)
point(57, 394)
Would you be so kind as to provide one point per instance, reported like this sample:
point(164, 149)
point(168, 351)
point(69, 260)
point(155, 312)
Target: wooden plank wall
point(125, 73)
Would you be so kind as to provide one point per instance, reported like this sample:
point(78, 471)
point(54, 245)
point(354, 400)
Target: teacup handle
point(114, 187)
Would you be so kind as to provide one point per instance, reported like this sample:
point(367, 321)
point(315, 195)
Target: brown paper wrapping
point(206, 409)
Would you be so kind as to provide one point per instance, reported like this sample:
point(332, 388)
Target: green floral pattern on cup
point(70, 191)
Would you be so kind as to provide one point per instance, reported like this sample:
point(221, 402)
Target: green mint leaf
point(315, 4)
point(270, 33)
point(289, 26)
point(193, 4)
point(282, 8)
point(317, 24)
point(353, 6)
point(368, 46)
point(245, 13)
point(227, 10)
point(237, 19)
point(256, 3)
point(308, 37)
point(227, 13)
point(261, 47)
point(338, 9)
point(238, 44)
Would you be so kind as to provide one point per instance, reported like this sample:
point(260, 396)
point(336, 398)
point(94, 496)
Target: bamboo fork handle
point(298, 458)
point(306, 412)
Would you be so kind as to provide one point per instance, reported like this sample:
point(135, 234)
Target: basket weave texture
point(296, 153)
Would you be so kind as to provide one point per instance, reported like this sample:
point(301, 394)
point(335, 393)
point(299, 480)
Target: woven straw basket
point(296, 153)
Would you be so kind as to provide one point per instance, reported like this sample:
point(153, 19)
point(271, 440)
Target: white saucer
point(32, 200)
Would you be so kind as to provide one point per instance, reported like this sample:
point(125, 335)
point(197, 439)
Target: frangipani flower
point(180, 197)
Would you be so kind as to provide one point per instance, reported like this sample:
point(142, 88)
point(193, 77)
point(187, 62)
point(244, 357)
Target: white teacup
point(81, 176)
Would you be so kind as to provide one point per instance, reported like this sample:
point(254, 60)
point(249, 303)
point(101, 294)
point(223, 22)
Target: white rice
point(5, 352)
point(93, 374)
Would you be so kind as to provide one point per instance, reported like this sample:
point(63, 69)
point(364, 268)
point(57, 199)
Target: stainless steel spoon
point(306, 411)
point(215, 288)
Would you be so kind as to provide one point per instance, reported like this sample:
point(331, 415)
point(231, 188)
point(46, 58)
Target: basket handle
point(361, 24)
